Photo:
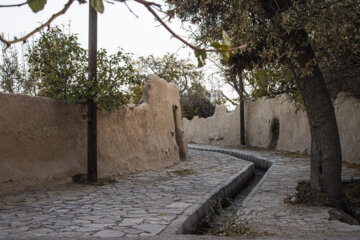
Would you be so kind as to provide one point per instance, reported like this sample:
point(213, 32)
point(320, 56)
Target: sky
point(117, 28)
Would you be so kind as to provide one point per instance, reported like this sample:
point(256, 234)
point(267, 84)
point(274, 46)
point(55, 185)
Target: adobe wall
point(44, 141)
point(223, 128)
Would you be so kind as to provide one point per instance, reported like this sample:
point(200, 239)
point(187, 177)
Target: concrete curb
point(259, 161)
point(192, 216)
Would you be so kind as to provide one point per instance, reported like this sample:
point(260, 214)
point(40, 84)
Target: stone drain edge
point(189, 221)
point(259, 161)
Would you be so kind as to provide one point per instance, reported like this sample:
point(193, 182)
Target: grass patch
point(184, 172)
point(219, 223)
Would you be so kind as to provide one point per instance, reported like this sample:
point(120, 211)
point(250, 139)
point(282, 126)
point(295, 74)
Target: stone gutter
point(192, 216)
point(251, 156)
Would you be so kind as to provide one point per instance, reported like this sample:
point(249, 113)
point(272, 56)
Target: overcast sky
point(117, 28)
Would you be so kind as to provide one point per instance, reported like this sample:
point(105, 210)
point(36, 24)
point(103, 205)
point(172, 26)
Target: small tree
point(195, 101)
point(271, 80)
point(11, 74)
point(56, 63)
point(56, 67)
point(172, 69)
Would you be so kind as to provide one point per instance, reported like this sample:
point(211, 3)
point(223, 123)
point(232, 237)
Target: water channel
point(225, 213)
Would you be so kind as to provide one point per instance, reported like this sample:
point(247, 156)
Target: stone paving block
point(131, 221)
point(150, 228)
point(108, 234)
point(180, 205)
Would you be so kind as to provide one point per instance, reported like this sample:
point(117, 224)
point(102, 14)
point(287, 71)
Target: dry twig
point(47, 24)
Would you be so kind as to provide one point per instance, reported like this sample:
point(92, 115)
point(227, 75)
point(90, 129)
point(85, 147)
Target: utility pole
point(92, 107)
point(242, 122)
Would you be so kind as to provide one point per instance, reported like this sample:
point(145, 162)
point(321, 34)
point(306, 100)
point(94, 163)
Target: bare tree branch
point(15, 5)
point(231, 84)
point(235, 85)
point(108, 1)
point(131, 11)
point(229, 99)
point(47, 24)
point(149, 5)
point(216, 63)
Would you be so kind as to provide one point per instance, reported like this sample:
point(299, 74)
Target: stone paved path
point(266, 212)
point(137, 205)
point(147, 204)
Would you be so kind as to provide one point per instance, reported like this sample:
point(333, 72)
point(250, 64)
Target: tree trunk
point(242, 121)
point(325, 175)
point(92, 107)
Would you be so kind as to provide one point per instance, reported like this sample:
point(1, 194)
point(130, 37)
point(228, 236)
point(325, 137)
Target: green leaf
point(201, 57)
point(225, 55)
point(222, 48)
point(226, 39)
point(216, 45)
point(97, 5)
point(36, 5)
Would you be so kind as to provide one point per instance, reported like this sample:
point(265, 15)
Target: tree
point(195, 101)
point(268, 80)
point(286, 31)
point(271, 80)
point(235, 78)
point(56, 62)
point(11, 74)
point(172, 69)
point(56, 67)
point(116, 73)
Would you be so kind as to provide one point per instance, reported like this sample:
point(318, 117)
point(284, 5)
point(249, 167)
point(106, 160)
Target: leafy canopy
point(172, 69)
point(196, 102)
point(56, 67)
point(332, 26)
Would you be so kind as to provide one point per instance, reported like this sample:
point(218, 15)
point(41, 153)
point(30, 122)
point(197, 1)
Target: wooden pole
point(242, 121)
point(92, 107)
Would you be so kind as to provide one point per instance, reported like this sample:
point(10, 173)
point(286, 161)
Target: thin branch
point(231, 84)
point(149, 5)
point(229, 99)
point(108, 1)
point(47, 24)
point(15, 5)
point(221, 67)
point(131, 11)
point(235, 85)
